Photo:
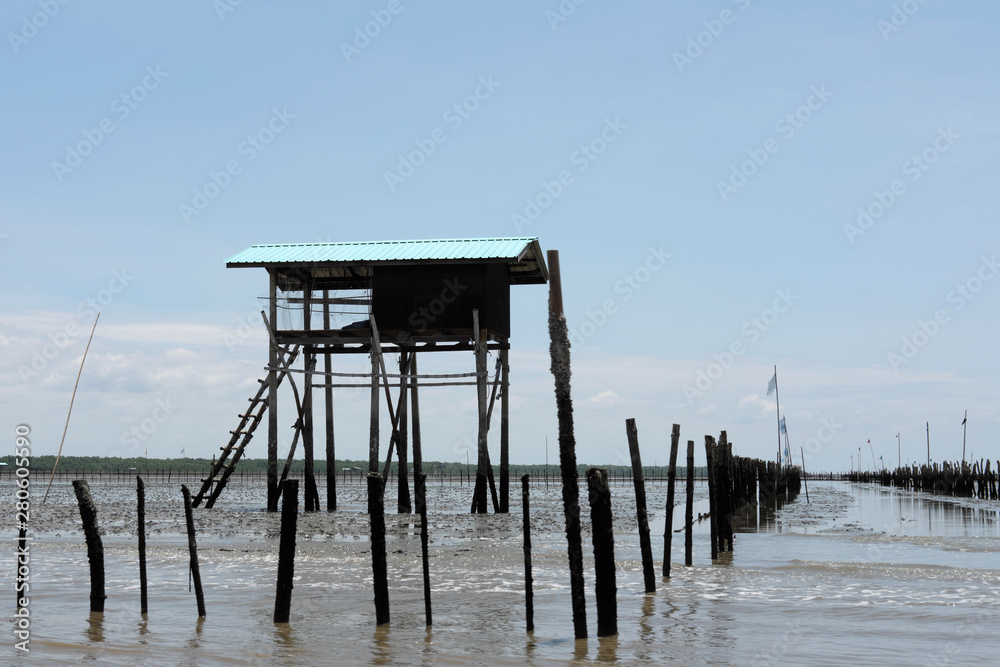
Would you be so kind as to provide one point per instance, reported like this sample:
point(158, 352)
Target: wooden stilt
point(504, 429)
point(648, 573)
point(403, 505)
point(95, 548)
point(331, 460)
point(286, 551)
point(604, 552)
point(668, 527)
point(141, 526)
point(373, 436)
point(311, 495)
point(272, 400)
point(418, 457)
point(479, 494)
point(561, 372)
point(193, 551)
point(420, 490)
point(529, 594)
point(380, 576)
point(689, 507)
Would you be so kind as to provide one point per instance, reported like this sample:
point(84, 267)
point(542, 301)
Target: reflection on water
point(858, 571)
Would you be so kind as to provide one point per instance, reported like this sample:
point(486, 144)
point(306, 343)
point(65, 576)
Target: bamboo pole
point(70, 412)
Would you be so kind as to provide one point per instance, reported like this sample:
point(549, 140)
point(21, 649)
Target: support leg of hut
point(272, 401)
point(504, 430)
point(403, 505)
point(479, 494)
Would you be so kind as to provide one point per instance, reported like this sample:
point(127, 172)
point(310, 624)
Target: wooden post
point(529, 594)
point(95, 549)
point(504, 429)
point(311, 495)
point(480, 489)
point(418, 456)
point(373, 428)
point(286, 550)
point(272, 399)
point(193, 550)
point(561, 372)
point(403, 505)
point(604, 552)
point(141, 510)
point(331, 462)
point(420, 490)
point(668, 524)
point(380, 575)
point(729, 507)
point(713, 506)
point(689, 507)
point(648, 573)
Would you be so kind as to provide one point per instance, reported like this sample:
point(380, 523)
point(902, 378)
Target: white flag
point(772, 384)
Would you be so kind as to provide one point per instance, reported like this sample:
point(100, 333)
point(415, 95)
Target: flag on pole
point(783, 430)
point(965, 420)
point(182, 451)
point(772, 384)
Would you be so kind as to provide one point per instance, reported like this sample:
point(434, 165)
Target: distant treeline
point(113, 464)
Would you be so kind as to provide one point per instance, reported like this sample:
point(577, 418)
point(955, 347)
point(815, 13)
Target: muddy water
point(860, 575)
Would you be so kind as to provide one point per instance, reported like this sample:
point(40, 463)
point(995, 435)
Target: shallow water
point(859, 575)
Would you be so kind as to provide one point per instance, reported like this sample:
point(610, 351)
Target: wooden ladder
point(239, 439)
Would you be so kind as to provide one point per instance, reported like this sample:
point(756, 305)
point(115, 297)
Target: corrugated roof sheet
point(385, 251)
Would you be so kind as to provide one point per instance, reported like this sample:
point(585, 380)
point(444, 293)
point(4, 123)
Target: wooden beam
point(272, 401)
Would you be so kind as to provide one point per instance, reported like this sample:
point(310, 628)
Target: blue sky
point(743, 139)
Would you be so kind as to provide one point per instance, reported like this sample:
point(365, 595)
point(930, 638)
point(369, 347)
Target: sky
point(733, 187)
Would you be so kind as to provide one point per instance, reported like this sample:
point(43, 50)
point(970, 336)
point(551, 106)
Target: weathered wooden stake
point(648, 573)
point(420, 491)
point(331, 451)
point(668, 526)
point(713, 506)
point(480, 489)
point(504, 430)
point(561, 372)
point(380, 574)
point(689, 507)
point(95, 549)
point(403, 505)
point(604, 552)
point(286, 550)
point(141, 493)
point(193, 550)
point(529, 594)
point(804, 480)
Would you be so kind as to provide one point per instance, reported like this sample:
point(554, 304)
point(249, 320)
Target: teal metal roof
point(523, 254)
